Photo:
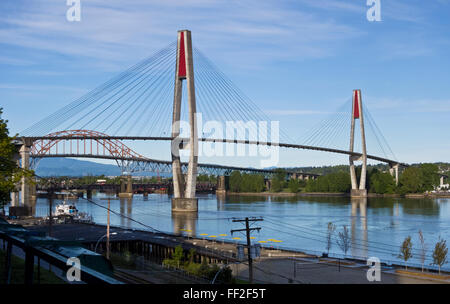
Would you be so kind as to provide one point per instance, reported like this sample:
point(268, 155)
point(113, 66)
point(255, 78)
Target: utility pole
point(107, 230)
point(50, 209)
point(248, 231)
point(108, 249)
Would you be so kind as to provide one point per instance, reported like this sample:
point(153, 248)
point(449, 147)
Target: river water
point(377, 226)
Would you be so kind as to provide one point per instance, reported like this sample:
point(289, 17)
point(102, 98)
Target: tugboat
point(65, 210)
point(69, 213)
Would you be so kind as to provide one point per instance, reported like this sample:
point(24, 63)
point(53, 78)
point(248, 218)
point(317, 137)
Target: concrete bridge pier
point(222, 185)
point(393, 170)
point(32, 186)
point(268, 183)
point(126, 186)
point(15, 195)
point(89, 194)
point(15, 199)
point(25, 194)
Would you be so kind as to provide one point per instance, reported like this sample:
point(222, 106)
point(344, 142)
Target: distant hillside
point(323, 170)
point(74, 167)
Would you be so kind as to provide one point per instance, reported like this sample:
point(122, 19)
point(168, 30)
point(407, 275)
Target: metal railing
point(88, 275)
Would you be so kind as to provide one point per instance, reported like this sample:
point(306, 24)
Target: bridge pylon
point(393, 170)
point(126, 186)
point(357, 113)
point(184, 189)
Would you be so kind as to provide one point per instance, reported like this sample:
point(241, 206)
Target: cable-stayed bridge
point(145, 103)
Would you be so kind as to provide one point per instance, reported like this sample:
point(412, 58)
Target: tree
point(411, 180)
point(330, 231)
point(381, 183)
point(278, 180)
point(277, 186)
point(430, 176)
point(440, 254)
point(249, 183)
point(333, 182)
point(294, 185)
point(419, 179)
point(235, 181)
point(406, 250)
point(423, 248)
point(178, 255)
point(344, 240)
point(10, 173)
point(280, 174)
point(190, 258)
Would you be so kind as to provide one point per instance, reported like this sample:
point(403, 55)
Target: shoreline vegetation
point(421, 180)
point(336, 194)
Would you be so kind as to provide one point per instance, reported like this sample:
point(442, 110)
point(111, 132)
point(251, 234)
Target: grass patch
point(336, 262)
point(424, 274)
point(18, 272)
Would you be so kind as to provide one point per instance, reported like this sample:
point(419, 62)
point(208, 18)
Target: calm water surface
point(377, 225)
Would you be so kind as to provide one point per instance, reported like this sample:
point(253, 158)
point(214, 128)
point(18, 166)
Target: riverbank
point(338, 194)
point(275, 264)
point(287, 194)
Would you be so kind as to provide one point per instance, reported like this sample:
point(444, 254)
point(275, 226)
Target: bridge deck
point(235, 141)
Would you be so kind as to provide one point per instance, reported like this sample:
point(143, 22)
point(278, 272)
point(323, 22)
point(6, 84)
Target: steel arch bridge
point(93, 144)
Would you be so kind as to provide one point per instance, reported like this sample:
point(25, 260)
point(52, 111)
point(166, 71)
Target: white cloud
point(115, 31)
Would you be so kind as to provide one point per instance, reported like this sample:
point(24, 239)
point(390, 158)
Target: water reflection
point(301, 222)
point(221, 199)
point(359, 245)
point(185, 223)
point(128, 203)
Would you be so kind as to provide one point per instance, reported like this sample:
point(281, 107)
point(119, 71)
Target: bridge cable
point(50, 122)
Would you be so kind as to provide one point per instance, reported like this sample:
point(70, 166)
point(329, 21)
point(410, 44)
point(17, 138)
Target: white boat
point(65, 210)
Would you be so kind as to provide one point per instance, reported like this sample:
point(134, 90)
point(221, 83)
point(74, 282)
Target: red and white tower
point(184, 188)
point(357, 113)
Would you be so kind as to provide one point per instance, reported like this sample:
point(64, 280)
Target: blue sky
point(298, 60)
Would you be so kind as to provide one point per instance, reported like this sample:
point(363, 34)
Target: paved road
point(311, 271)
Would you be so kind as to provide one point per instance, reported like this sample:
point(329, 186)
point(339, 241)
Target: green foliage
point(294, 185)
point(280, 174)
point(381, 182)
point(178, 255)
point(331, 228)
point(235, 181)
point(419, 179)
point(246, 182)
point(276, 186)
point(203, 269)
point(10, 173)
point(344, 240)
point(406, 250)
point(333, 182)
point(279, 180)
point(207, 178)
point(440, 253)
point(430, 176)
